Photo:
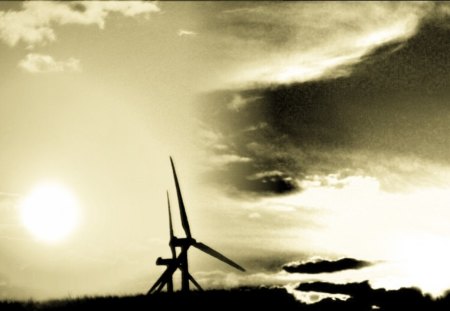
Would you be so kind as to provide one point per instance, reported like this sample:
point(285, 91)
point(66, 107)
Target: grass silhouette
point(241, 299)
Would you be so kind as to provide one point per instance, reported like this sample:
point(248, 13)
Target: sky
point(303, 133)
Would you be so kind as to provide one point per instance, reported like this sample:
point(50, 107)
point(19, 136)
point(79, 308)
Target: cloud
point(362, 294)
point(273, 181)
point(34, 23)
point(326, 266)
point(312, 297)
point(186, 33)
point(39, 63)
point(238, 102)
point(273, 43)
point(391, 108)
point(254, 215)
point(225, 159)
point(243, 177)
point(220, 279)
point(367, 151)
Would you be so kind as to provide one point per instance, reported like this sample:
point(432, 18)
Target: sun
point(49, 212)
point(425, 261)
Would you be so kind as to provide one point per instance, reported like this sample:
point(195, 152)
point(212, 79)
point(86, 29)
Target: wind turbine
point(181, 261)
point(169, 261)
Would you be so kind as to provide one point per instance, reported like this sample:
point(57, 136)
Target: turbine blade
point(205, 248)
point(165, 281)
point(170, 216)
point(191, 278)
point(150, 291)
point(183, 215)
point(172, 248)
point(161, 286)
point(158, 282)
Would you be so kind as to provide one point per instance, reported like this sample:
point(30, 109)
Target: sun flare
point(49, 212)
point(425, 261)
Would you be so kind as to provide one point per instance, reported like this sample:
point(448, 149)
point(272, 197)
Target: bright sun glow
point(49, 212)
point(425, 261)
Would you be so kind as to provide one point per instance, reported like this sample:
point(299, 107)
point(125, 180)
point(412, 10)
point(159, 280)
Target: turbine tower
point(180, 261)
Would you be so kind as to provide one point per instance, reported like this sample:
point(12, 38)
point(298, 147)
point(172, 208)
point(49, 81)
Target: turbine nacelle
point(182, 242)
point(164, 261)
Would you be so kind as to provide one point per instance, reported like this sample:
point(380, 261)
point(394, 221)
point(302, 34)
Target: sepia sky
point(300, 132)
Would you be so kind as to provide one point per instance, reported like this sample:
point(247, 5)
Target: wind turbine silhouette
point(181, 261)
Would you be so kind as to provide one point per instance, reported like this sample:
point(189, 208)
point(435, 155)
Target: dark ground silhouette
point(365, 298)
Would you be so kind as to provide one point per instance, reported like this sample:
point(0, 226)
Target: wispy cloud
point(225, 159)
point(239, 102)
point(185, 32)
point(39, 63)
point(224, 156)
point(295, 42)
point(35, 22)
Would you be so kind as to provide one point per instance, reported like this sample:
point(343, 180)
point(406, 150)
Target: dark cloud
point(326, 266)
point(393, 104)
point(364, 295)
point(251, 179)
point(78, 7)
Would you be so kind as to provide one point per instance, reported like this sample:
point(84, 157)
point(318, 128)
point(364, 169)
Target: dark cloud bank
point(326, 266)
point(364, 297)
point(395, 103)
